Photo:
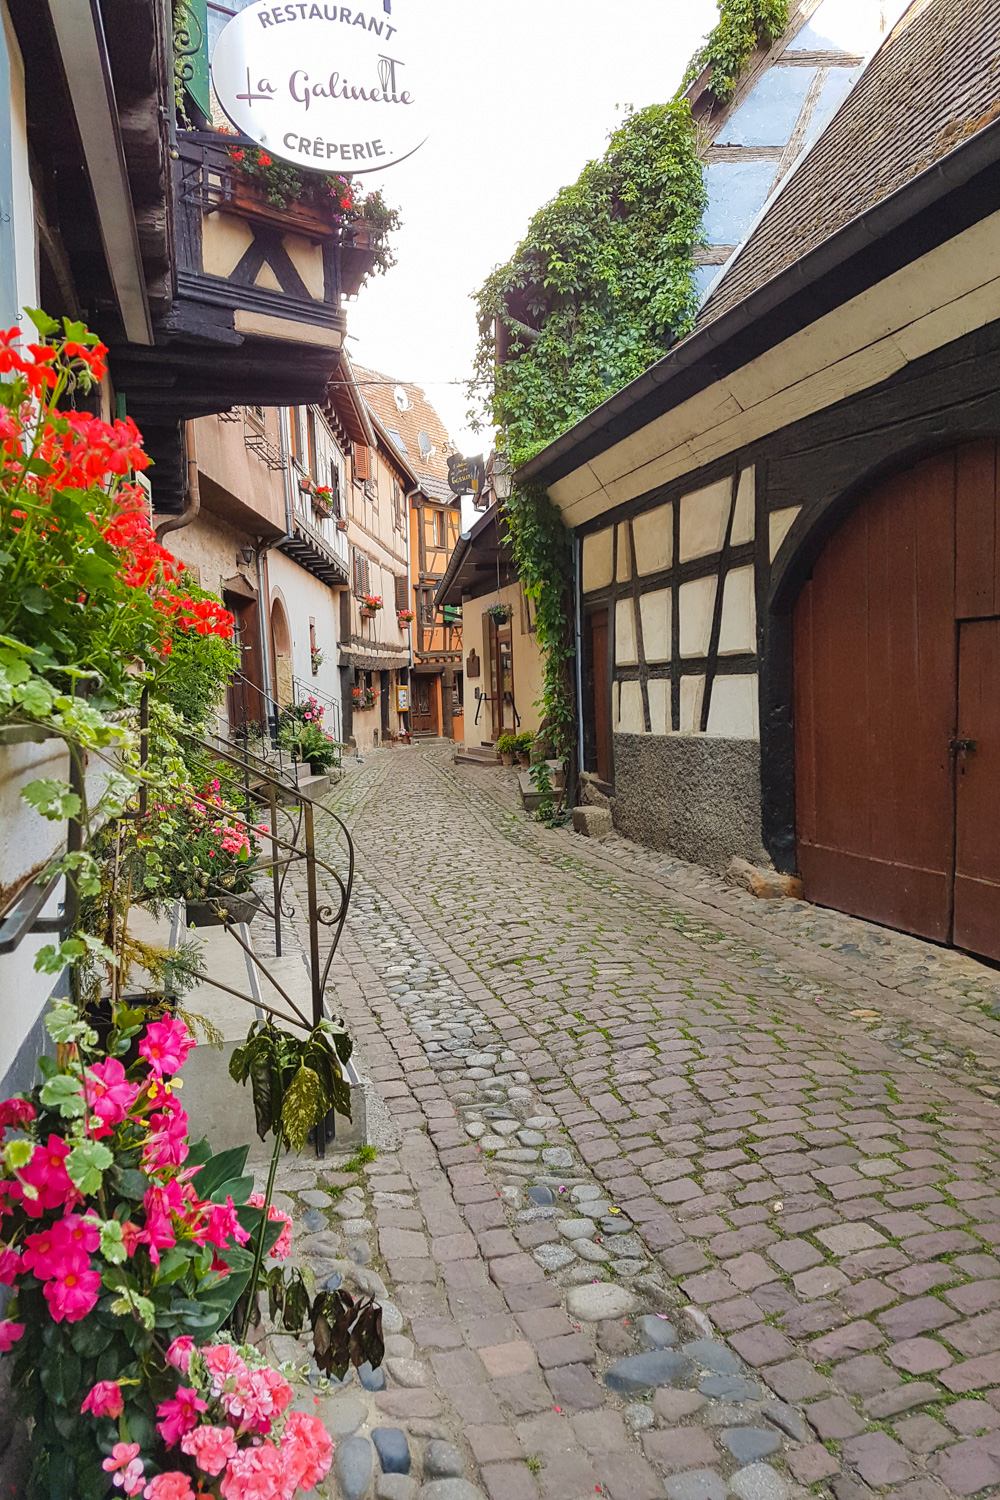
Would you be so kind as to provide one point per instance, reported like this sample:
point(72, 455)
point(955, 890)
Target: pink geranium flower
point(110, 1093)
point(9, 1335)
point(104, 1399)
point(172, 1486)
point(180, 1352)
point(72, 1297)
point(166, 1046)
point(255, 1474)
point(179, 1416)
point(17, 1113)
point(210, 1447)
point(224, 1365)
point(306, 1450)
point(259, 1396)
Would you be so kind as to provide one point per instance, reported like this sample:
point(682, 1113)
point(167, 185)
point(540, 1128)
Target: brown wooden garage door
point(897, 706)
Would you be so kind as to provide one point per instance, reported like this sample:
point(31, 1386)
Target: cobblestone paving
point(663, 1142)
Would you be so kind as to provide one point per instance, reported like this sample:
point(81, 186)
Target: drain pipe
point(192, 493)
point(578, 641)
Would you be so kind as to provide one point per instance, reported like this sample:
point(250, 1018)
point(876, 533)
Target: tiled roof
point(934, 83)
point(419, 417)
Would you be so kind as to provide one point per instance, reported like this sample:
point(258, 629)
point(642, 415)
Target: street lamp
point(503, 480)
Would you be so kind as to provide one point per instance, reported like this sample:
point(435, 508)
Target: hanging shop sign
point(465, 475)
point(323, 86)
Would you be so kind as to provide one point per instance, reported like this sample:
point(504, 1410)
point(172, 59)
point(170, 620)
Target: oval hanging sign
point(324, 86)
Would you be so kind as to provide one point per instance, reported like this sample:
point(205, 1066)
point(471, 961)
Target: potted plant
point(322, 498)
point(501, 613)
point(341, 523)
point(404, 618)
point(199, 850)
point(507, 748)
point(523, 750)
point(370, 606)
point(316, 660)
point(317, 747)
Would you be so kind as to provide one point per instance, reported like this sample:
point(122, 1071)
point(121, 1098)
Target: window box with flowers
point(322, 499)
point(405, 618)
point(370, 606)
point(362, 697)
point(316, 660)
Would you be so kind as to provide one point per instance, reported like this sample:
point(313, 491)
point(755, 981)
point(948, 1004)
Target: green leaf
point(221, 1168)
point(87, 1164)
point(65, 1093)
point(35, 600)
point(63, 1023)
point(17, 1154)
point(46, 326)
point(112, 1242)
point(55, 800)
point(237, 1188)
point(135, 1306)
point(306, 1104)
point(132, 1184)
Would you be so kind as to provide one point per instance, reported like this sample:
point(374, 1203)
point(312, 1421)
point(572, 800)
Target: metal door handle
point(961, 747)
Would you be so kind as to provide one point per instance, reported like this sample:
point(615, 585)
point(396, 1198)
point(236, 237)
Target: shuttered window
point(401, 593)
point(362, 463)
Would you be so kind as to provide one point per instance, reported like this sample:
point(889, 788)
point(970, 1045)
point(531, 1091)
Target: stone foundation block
point(593, 822)
point(770, 885)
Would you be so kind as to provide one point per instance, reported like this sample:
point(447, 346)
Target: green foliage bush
point(198, 669)
point(744, 25)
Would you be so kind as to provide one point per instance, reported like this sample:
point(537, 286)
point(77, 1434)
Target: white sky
point(525, 94)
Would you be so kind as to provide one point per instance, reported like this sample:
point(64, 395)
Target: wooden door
point(501, 678)
point(875, 705)
point(977, 785)
point(602, 695)
point(421, 705)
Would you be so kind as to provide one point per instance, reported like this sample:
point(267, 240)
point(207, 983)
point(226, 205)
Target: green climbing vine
point(743, 26)
point(599, 288)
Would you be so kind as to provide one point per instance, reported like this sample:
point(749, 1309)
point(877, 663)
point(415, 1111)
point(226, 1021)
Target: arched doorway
point(897, 705)
point(282, 638)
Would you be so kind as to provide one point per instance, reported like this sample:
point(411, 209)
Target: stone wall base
point(690, 795)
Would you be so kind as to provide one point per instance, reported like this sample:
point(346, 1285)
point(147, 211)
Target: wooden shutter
point(401, 593)
point(362, 462)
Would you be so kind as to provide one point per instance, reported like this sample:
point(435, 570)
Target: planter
point(241, 908)
point(341, 525)
point(250, 201)
point(99, 1017)
point(507, 760)
point(322, 508)
point(368, 614)
point(357, 257)
point(523, 760)
point(318, 768)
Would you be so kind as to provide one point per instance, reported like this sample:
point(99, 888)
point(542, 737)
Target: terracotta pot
point(523, 759)
point(368, 614)
point(341, 525)
point(507, 760)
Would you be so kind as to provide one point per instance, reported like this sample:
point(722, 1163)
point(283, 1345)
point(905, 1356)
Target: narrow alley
point(661, 1140)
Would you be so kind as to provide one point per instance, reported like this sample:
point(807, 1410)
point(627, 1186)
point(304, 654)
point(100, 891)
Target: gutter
point(921, 192)
point(192, 497)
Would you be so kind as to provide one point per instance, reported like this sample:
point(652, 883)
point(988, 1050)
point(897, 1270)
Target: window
point(335, 487)
point(440, 533)
point(401, 593)
point(362, 574)
point(310, 435)
point(427, 606)
point(397, 506)
point(361, 459)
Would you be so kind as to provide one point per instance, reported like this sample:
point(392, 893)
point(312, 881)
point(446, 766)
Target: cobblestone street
point(693, 1193)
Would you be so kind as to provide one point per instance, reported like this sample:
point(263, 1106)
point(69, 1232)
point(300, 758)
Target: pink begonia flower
point(16, 1112)
point(72, 1297)
point(9, 1335)
point(166, 1046)
point(223, 1225)
point(255, 1474)
point(306, 1450)
point(180, 1352)
point(282, 1247)
point(210, 1447)
point(10, 1266)
point(46, 1173)
point(172, 1486)
point(110, 1093)
point(104, 1399)
point(179, 1416)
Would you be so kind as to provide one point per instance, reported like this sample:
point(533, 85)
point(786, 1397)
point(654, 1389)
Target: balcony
point(316, 543)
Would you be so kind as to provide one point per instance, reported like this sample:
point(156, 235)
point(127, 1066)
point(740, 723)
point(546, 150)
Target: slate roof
point(420, 416)
point(933, 84)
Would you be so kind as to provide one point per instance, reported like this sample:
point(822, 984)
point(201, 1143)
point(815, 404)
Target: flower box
point(367, 613)
point(321, 507)
point(357, 257)
point(250, 201)
point(238, 908)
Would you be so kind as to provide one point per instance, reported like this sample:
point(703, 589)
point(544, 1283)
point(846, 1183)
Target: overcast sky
point(524, 94)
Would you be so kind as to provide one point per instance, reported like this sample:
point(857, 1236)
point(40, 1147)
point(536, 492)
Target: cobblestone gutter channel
point(672, 1228)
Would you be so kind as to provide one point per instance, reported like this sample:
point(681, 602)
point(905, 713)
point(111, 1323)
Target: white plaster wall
point(624, 570)
point(732, 713)
point(655, 611)
point(743, 517)
point(597, 560)
point(630, 718)
point(739, 615)
point(703, 521)
point(305, 597)
point(779, 524)
point(653, 533)
point(658, 693)
point(626, 649)
point(696, 601)
point(692, 694)
point(25, 248)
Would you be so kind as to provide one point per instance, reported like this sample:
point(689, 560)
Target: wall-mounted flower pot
point(238, 909)
point(250, 201)
point(368, 614)
point(322, 508)
point(341, 525)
